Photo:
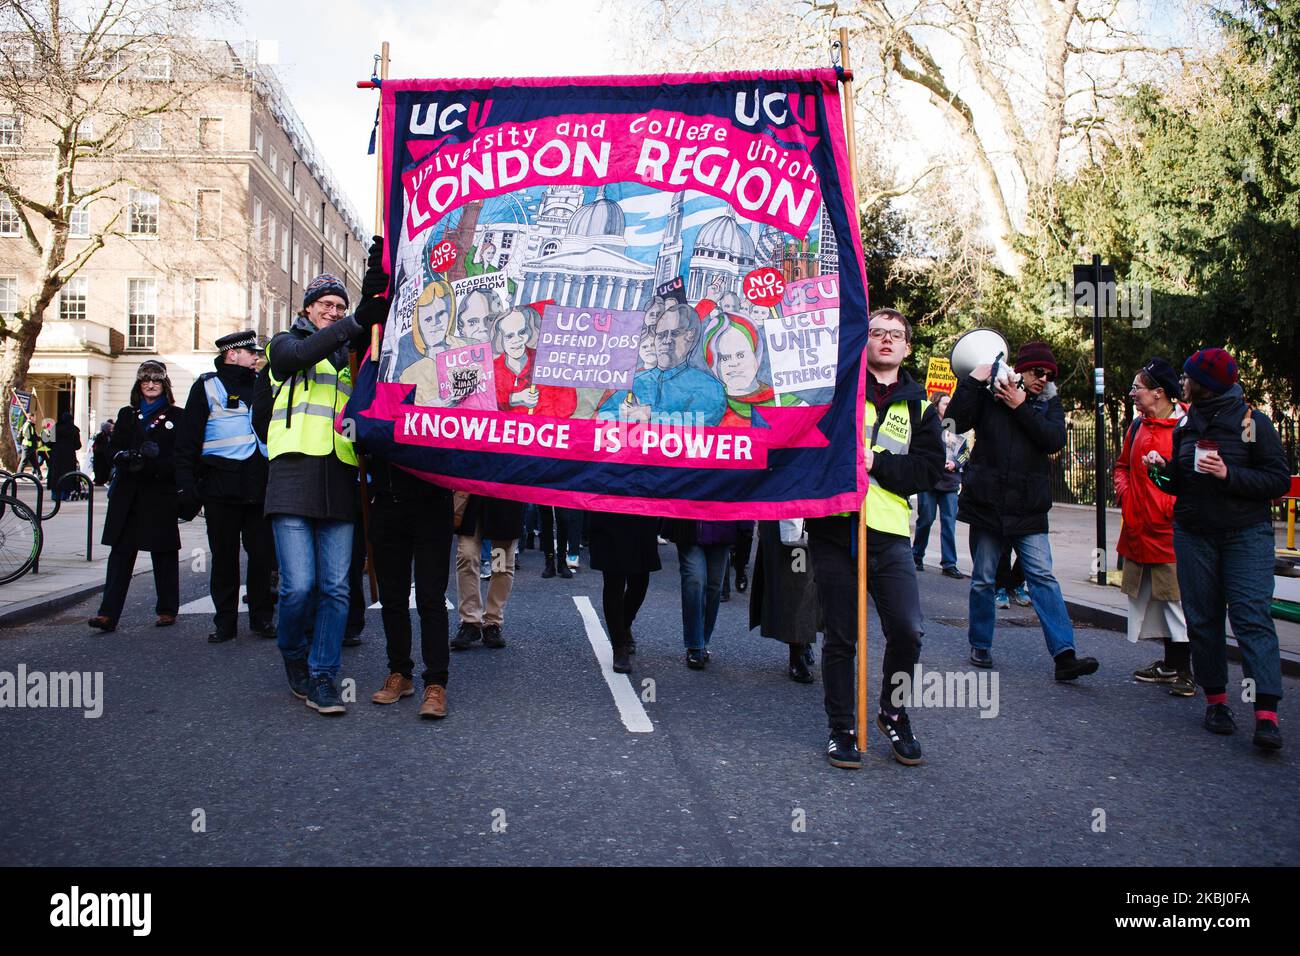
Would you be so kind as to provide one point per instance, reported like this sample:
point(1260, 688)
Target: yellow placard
point(939, 377)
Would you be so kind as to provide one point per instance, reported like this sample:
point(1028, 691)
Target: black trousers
point(622, 597)
point(229, 523)
point(891, 583)
point(561, 530)
point(744, 545)
point(406, 535)
point(357, 576)
point(117, 580)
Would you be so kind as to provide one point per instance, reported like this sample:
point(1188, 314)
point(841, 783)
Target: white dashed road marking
point(629, 706)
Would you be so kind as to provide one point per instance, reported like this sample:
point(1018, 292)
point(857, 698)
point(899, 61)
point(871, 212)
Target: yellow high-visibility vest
point(307, 425)
point(887, 511)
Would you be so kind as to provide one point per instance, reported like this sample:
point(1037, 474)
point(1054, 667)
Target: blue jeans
point(1044, 593)
point(927, 503)
point(1230, 572)
point(314, 558)
point(702, 567)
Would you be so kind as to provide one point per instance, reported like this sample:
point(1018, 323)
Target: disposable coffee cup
point(1203, 448)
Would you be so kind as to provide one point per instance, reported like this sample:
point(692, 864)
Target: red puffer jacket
point(1148, 532)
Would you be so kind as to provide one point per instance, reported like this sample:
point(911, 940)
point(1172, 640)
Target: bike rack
point(11, 484)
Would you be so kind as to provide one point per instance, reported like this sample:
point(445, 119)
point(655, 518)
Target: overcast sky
point(325, 47)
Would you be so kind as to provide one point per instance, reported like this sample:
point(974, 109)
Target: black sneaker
point(697, 658)
point(842, 750)
point(564, 571)
point(920, 565)
point(299, 677)
point(622, 659)
point(1218, 719)
point(323, 697)
point(899, 731)
point(220, 637)
point(465, 636)
point(1267, 736)
point(492, 636)
point(549, 570)
point(954, 574)
point(1069, 667)
point(980, 657)
point(742, 581)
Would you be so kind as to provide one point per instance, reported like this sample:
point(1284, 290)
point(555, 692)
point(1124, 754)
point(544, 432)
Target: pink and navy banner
point(631, 293)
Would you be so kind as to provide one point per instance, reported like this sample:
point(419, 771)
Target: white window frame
point(79, 221)
point(11, 224)
point(8, 291)
point(76, 288)
point(134, 198)
point(284, 249)
point(153, 329)
point(148, 69)
point(11, 129)
point(259, 141)
point(272, 234)
point(155, 123)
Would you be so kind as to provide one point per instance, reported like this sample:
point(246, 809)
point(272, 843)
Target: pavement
point(201, 756)
point(65, 576)
point(1073, 536)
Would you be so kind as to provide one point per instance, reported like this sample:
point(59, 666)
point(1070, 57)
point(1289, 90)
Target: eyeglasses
point(1037, 372)
point(893, 335)
point(331, 307)
point(152, 377)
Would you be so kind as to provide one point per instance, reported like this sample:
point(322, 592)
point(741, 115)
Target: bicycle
point(20, 539)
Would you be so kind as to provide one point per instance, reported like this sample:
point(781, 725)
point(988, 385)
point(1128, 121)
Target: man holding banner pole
point(904, 456)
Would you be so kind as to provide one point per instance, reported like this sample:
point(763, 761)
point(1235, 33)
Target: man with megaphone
point(1007, 493)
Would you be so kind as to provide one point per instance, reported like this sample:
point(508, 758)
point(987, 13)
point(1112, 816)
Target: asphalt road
point(535, 764)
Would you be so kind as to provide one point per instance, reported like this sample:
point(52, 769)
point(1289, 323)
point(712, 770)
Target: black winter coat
point(498, 519)
point(1257, 470)
point(63, 456)
point(209, 477)
point(624, 544)
point(1007, 485)
point(142, 505)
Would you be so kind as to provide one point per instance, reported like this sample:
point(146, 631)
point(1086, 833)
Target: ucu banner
point(635, 293)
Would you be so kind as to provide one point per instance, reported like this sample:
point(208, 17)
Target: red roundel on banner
point(764, 286)
point(442, 256)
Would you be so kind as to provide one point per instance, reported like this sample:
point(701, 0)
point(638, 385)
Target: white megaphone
point(982, 347)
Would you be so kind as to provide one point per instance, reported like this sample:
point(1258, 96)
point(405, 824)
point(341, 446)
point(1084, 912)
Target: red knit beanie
point(1037, 355)
point(1213, 368)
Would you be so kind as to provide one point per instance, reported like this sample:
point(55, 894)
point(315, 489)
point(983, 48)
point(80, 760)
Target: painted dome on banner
point(725, 235)
point(599, 218)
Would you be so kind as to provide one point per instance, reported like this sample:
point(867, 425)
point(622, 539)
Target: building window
point(273, 161)
point(507, 240)
point(258, 140)
point(10, 224)
point(156, 66)
point(295, 258)
point(72, 299)
point(11, 131)
point(142, 212)
point(79, 221)
point(205, 314)
point(286, 176)
point(207, 219)
point(212, 132)
point(141, 312)
point(8, 297)
point(148, 133)
point(272, 234)
point(86, 130)
point(284, 249)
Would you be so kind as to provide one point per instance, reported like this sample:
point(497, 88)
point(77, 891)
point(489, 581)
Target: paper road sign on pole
point(939, 377)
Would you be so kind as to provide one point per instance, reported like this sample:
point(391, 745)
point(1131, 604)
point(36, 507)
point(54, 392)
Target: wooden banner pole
point(846, 88)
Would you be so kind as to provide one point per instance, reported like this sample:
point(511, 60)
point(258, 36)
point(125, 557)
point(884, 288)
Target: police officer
point(311, 492)
point(221, 467)
point(904, 456)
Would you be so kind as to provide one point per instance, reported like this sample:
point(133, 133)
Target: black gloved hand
point(149, 449)
point(134, 461)
point(371, 312)
point(375, 281)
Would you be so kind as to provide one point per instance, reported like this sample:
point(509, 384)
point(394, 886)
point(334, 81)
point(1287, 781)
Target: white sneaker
point(572, 561)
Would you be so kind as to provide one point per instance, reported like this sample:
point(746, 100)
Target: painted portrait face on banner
point(736, 361)
point(514, 329)
point(472, 317)
point(433, 314)
point(675, 335)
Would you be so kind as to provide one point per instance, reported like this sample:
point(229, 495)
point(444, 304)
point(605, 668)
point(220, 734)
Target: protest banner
point(465, 377)
point(642, 203)
point(939, 377)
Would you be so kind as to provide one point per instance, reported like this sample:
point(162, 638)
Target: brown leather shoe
point(165, 620)
point(395, 688)
point(434, 704)
point(102, 623)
